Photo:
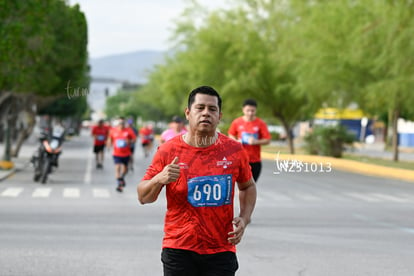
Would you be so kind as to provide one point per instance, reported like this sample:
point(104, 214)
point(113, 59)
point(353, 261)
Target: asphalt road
point(305, 223)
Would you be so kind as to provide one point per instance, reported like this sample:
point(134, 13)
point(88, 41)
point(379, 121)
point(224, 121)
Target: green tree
point(326, 32)
point(294, 57)
point(387, 40)
point(355, 51)
point(263, 62)
point(241, 54)
point(43, 46)
point(119, 105)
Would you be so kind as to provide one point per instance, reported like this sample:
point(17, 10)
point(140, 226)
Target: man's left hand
point(238, 230)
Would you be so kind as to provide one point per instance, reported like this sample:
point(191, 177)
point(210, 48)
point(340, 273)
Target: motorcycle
point(46, 157)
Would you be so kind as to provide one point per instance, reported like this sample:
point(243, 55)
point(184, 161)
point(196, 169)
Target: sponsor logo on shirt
point(224, 163)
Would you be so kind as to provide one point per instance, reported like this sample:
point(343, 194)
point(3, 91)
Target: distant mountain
point(132, 67)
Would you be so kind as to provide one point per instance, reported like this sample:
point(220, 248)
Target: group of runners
point(121, 137)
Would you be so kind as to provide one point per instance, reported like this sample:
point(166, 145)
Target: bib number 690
point(209, 191)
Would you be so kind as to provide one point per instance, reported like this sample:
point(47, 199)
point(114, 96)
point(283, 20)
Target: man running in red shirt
point(121, 138)
point(252, 132)
point(147, 138)
point(199, 171)
point(100, 134)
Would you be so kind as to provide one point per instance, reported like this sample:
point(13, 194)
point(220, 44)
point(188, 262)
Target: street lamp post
point(364, 123)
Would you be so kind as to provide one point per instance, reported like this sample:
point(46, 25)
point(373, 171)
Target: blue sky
point(130, 25)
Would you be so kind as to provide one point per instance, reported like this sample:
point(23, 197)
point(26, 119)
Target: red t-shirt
point(100, 134)
point(200, 203)
point(147, 135)
point(244, 130)
point(121, 141)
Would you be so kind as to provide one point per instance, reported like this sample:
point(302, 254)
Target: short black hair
point(177, 119)
point(121, 119)
point(250, 102)
point(207, 90)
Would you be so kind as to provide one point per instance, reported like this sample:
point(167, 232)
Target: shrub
point(275, 136)
point(328, 140)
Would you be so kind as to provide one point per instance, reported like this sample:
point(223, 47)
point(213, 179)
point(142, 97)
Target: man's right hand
point(170, 173)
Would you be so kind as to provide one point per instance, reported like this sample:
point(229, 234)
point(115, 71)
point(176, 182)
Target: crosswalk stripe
point(12, 192)
point(308, 197)
point(364, 197)
point(71, 193)
point(266, 197)
point(389, 198)
point(407, 197)
point(277, 196)
point(101, 193)
point(41, 192)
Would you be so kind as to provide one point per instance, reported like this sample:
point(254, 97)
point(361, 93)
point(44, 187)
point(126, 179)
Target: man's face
point(120, 123)
point(176, 126)
point(204, 114)
point(249, 111)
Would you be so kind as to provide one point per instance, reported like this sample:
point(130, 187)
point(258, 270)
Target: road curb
point(6, 165)
point(7, 174)
point(11, 172)
point(347, 165)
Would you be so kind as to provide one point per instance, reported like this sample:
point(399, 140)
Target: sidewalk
point(20, 162)
point(377, 150)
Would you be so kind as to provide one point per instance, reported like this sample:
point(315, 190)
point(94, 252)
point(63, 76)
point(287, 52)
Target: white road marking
point(71, 193)
point(307, 197)
point(389, 198)
point(88, 172)
point(42, 192)
point(277, 196)
point(12, 192)
point(101, 193)
point(364, 197)
point(407, 197)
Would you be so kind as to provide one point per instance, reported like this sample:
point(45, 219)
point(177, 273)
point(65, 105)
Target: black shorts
point(97, 149)
point(256, 169)
point(121, 160)
point(177, 262)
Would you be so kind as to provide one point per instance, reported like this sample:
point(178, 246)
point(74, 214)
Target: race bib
point(208, 191)
point(121, 143)
point(101, 137)
point(246, 136)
